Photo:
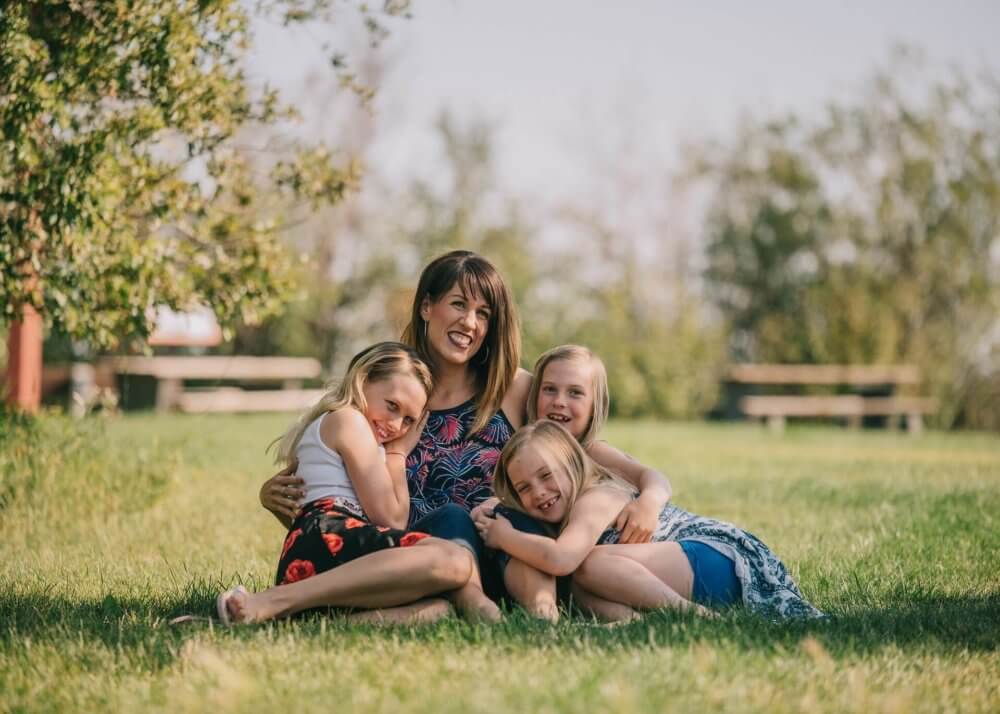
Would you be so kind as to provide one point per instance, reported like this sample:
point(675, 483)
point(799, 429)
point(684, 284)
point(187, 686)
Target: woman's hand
point(486, 507)
point(637, 521)
point(282, 494)
point(492, 529)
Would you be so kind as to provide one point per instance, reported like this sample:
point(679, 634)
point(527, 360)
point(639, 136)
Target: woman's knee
point(450, 565)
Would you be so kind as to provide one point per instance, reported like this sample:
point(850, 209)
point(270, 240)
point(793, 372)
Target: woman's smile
point(457, 325)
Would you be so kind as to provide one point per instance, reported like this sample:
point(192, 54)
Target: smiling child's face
point(566, 395)
point(541, 484)
point(393, 406)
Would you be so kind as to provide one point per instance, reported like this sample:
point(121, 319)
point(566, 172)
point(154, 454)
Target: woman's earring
point(486, 359)
point(425, 329)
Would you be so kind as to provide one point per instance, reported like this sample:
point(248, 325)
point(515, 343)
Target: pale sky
point(562, 81)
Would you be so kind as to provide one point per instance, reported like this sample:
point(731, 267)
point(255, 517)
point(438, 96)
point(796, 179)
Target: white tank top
point(323, 469)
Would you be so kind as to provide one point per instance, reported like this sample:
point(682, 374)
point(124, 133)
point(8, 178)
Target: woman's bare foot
point(421, 612)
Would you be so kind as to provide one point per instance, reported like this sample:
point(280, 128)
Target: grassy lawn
point(109, 529)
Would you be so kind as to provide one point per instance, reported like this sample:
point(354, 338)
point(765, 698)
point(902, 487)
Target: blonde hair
point(562, 451)
point(599, 375)
point(379, 362)
point(495, 364)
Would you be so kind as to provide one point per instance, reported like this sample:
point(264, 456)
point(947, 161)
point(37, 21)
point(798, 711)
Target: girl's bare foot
point(473, 604)
point(233, 606)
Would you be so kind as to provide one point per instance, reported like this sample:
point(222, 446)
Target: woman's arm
point(556, 556)
point(515, 401)
point(638, 519)
point(282, 494)
point(347, 432)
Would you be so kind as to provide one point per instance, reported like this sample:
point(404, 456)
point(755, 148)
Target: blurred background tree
point(121, 183)
point(868, 235)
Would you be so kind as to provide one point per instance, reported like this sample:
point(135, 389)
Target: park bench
point(884, 379)
point(170, 373)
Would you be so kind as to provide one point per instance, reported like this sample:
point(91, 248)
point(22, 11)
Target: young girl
point(693, 562)
point(571, 389)
point(355, 512)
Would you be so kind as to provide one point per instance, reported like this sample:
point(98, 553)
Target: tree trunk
point(24, 362)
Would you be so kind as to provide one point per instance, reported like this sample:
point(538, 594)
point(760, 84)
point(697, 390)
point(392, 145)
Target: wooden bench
point(776, 408)
point(170, 373)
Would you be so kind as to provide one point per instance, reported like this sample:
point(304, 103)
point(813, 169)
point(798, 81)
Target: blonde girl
point(693, 563)
point(355, 512)
point(571, 389)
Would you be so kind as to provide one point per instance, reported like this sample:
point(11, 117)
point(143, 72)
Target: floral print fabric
point(327, 534)
point(450, 465)
point(767, 586)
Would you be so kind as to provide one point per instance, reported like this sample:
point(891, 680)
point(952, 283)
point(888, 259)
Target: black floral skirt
point(327, 534)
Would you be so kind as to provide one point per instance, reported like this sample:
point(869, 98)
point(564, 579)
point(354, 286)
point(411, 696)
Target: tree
point(121, 186)
point(869, 235)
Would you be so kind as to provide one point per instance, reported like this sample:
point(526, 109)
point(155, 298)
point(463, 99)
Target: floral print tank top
point(450, 465)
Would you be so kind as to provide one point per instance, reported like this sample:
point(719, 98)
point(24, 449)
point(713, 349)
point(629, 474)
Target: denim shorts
point(715, 582)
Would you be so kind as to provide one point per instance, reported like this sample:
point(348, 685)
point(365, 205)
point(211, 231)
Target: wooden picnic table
point(171, 372)
point(776, 408)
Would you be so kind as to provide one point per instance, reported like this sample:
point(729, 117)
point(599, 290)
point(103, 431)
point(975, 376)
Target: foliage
point(899, 545)
point(870, 235)
point(121, 184)
point(651, 331)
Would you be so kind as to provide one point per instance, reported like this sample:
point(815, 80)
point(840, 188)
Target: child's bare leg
point(420, 612)
point(387, 578)
point(604, 610)
point(534, 590)
point(644, 576)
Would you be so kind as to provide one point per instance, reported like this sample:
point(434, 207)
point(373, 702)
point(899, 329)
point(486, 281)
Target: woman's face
point(542, 485)
point(566, 395)
point(457, 325)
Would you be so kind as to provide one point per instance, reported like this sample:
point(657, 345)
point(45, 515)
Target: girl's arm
point(396, 453)
point(591, 514)
point(637, 519)
point(347, 432)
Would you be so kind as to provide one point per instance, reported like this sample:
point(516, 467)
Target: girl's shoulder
point(597, 507)
point(342, 424)
point(602, 494)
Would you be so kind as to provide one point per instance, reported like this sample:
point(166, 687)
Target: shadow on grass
point(936, 623)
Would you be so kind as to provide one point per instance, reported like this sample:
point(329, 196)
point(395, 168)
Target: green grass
point(109, 529)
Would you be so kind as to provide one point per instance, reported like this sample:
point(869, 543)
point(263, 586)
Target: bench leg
point(82, 387)
point(914, 423)
point(168, 392)
point(776, 423)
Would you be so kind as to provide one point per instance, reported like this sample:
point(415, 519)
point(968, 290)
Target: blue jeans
point(451, 522)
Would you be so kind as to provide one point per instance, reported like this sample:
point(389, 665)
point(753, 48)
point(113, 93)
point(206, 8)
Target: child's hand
point(492, 529)
point(406, 443)
point(637, 521)
point(282, 493)
point(486, 507)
